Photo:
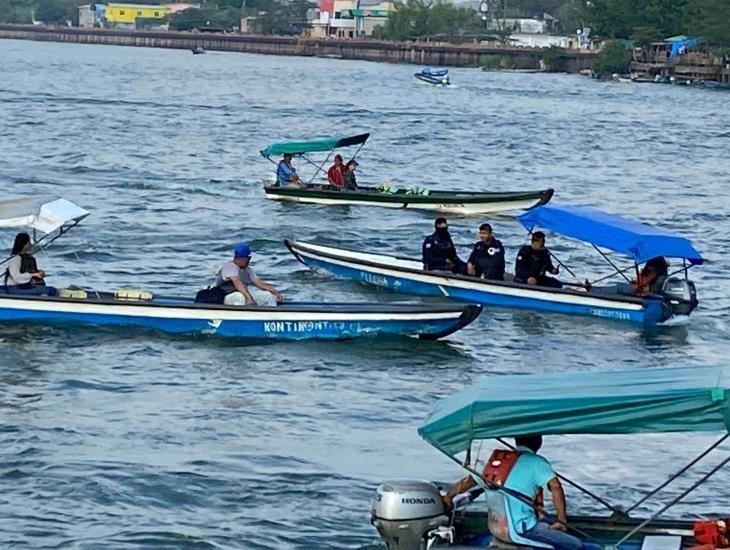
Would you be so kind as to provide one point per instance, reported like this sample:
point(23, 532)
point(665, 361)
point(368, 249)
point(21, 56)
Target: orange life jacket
point(498, 468)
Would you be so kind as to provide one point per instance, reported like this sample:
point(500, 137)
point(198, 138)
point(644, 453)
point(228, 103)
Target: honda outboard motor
point(681, 295)
point(404, 512)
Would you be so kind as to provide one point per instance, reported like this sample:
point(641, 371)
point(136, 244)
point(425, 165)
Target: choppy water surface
point(130, 439)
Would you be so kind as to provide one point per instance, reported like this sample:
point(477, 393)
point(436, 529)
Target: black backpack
point(209, 295)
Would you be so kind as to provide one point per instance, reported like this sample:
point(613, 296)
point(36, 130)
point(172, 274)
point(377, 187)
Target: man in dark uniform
point(533, 261)
point(439, 252)
point(487, 256)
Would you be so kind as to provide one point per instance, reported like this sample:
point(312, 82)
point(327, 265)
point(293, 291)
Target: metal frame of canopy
point(67, 222)
point(299, 148)
point(547, 215)
point(716, 392)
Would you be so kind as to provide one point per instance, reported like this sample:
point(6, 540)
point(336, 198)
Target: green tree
point(613, 58)
point(194, 18)
point(619, 18)
point(14, 11)
point(51, 11)
point(710, 19)
point(414, 19)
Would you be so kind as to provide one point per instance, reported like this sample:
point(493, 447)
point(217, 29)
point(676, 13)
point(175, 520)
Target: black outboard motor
point(680, 295)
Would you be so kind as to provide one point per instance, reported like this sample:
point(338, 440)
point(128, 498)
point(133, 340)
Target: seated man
point(334, 174)
point(487, 256)
point(241, 284)
point(439, 252)
point(286, 174)
point(348, 175)
point(533, 261)
point(523, 472)
point(22, 275)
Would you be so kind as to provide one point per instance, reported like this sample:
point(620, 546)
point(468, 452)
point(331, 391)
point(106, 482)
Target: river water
point(132, 439)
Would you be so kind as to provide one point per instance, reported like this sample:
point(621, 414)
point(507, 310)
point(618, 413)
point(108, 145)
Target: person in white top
point(22, 275)
point(241, 284)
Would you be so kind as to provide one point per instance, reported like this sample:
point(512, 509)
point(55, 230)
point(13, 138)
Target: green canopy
point(687, 399)
point(321, 144)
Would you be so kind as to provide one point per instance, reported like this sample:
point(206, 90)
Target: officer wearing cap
point(240, 283)
point(487, 256)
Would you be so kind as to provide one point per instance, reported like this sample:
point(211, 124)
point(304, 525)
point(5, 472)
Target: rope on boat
point(674, 501)
point(679, 473)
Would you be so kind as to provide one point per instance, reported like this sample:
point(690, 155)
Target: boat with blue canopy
point(49, 218)
point(672, 296)
point(385, 195)
point(681, 400)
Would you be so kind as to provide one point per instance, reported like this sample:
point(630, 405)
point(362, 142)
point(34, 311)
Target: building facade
point(349, 18)
point(126, 15)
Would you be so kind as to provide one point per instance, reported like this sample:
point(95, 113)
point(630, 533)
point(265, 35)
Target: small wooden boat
point(288, 321)
point(197, 50)
point(131, 307)
point(627, 402)
point(676, 298)
point(388, 196)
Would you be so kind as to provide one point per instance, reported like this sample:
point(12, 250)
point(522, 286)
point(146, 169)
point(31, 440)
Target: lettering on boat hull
point(609, 314)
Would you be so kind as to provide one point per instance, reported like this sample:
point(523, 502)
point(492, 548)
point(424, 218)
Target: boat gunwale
point(434, 197)
point(474, 280)
point(293, 307)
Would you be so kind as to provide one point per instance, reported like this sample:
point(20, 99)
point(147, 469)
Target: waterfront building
point(348, 18)
point(130, 15)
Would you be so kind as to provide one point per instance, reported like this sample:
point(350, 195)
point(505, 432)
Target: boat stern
point(468, 316)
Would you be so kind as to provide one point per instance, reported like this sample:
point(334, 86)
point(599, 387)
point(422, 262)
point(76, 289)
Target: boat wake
point(676, 321)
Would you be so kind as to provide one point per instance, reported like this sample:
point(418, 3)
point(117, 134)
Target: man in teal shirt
point(530, 473)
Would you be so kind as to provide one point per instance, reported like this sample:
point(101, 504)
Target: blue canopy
point(629, 401)
point(639, 240)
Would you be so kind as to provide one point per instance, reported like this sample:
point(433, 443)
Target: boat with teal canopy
point(644, 401)
point(317, 189)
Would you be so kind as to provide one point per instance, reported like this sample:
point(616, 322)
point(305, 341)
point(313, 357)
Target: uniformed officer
point(533, 261)
point(439, 252)
point(487, 256)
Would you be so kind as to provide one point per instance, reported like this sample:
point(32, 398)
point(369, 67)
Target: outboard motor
point(681, 295)
point(404, 512)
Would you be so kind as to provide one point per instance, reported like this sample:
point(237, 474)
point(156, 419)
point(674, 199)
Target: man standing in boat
point(439, 252)
point(286, 174)
point(241, 284)
point(533, 261)
point(335, 174)
point(487, 256)
point(523, 473)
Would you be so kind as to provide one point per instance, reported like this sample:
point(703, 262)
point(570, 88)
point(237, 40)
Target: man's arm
point(522, 266)
point(426, 254)
point(240, 287)
point(470, 263)
point(558, 495)
point(263, 285)
point(461, 486)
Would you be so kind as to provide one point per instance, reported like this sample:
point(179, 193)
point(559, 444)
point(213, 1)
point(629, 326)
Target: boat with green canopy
point(386, 195)
point(633, 401)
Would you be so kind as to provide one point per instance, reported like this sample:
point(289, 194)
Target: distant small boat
point(437, 78)
point(197, 50)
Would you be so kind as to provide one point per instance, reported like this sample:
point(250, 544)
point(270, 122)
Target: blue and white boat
point(430, 76)
point(639, 241)
point(49, 218)
point(288, 321)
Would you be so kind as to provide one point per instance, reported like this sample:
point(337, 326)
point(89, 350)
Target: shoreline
point(417, 53)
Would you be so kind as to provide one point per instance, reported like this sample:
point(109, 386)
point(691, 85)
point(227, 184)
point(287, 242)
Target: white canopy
point(44, 214)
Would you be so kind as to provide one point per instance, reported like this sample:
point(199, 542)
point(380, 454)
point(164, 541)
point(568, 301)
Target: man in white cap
point(241, 284)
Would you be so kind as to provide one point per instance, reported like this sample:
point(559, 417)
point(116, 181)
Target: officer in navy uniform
point(487, 256)
point(439, 252)
point(533, 262)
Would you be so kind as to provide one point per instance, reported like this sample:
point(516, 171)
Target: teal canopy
point(687, 399)
point(312, 146)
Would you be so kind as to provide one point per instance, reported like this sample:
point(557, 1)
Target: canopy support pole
point(319, 168)
point(613, 265)
point(40, 242)
point(561, 264)
point(679, 473)
point(486, 485)
point(573, 484)
point(674, 501)
point(612, 275)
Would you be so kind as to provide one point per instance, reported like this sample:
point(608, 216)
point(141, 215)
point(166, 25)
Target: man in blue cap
point(241, 284)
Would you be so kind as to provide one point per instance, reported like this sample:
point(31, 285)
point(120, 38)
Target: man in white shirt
point(241, 284)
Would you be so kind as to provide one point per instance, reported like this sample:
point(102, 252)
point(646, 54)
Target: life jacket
point(713, 534)
point(498, 468)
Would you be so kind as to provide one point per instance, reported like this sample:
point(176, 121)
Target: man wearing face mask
point(439, 252)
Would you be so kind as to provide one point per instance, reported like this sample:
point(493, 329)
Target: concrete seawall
point(449, 55)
